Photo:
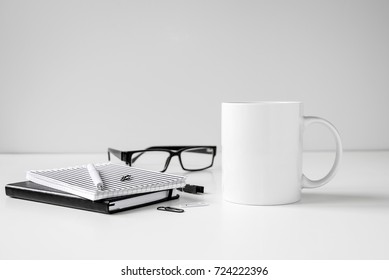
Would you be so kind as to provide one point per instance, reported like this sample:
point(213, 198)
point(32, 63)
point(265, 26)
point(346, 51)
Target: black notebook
point(35, 192)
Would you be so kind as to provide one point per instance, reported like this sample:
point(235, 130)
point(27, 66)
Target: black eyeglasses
point(191, 158)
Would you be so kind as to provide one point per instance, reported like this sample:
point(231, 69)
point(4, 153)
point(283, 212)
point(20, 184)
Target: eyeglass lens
point(197, 158)
point(153, 160)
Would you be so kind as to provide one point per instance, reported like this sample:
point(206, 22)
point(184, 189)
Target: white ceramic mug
point(262, 146)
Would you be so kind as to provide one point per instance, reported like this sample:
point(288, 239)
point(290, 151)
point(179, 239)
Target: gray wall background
point(79, 76)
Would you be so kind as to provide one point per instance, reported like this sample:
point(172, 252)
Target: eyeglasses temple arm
point(116, 153)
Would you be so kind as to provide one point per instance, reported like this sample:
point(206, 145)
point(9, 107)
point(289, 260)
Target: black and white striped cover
point(76, 180)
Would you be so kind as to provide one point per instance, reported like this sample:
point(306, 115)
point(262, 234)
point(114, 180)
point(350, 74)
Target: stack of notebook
point(124, 187)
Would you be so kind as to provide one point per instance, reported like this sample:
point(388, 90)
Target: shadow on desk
point(345, 199)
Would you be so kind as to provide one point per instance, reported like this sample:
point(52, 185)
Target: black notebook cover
point(35, 192)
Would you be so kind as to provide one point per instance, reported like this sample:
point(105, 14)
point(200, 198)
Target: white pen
point(94, 174)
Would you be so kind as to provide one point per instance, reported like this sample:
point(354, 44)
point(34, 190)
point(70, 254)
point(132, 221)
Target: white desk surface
point(346, 219)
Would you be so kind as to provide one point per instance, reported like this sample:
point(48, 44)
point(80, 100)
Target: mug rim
point(261, 102)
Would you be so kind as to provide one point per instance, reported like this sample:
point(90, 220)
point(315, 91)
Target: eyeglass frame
point(126, 156)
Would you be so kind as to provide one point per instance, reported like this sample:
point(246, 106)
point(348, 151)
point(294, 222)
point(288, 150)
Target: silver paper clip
point(170, 209)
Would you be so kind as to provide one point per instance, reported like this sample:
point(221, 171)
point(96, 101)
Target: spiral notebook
point(76, 180)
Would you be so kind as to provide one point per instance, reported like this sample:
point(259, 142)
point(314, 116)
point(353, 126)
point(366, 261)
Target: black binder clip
point(170, 209)
point(194, 189)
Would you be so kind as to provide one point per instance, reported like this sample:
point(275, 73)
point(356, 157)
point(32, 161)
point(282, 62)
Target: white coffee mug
point(262, 146)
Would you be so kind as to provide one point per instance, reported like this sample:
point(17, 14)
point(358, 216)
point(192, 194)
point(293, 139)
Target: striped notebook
point(76, 180)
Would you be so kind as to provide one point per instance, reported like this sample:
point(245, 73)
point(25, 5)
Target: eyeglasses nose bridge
point(172, 154)
point(168, 161)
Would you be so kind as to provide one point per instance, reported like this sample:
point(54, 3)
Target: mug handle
point(308, 183)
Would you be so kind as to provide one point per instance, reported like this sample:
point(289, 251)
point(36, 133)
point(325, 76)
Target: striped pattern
point(76, 180)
